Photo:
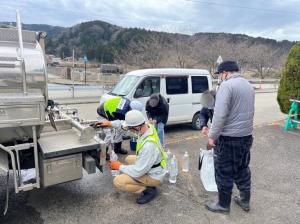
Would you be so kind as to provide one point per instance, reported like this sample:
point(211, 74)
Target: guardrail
point(260, 84)
point(257, 81)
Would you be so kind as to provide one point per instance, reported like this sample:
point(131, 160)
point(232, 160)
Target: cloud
point(275, 19)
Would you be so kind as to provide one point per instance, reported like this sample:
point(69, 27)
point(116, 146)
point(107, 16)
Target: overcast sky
point(277, 19)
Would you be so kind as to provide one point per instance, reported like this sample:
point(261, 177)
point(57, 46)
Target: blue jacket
point(205, 115)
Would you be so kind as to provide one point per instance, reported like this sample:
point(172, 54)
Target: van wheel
point(196, 122)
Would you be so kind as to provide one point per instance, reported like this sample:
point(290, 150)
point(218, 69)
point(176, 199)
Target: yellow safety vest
point(153, 138)
point(114, 104)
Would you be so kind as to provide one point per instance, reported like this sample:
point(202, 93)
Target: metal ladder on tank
point(292, 120)
point(13, 153)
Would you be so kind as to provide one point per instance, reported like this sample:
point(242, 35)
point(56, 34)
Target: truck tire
point(196, 122)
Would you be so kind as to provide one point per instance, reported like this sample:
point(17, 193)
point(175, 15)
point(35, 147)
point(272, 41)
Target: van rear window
point(199, 84)
point(177, 85)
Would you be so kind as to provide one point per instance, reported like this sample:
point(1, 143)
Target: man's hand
point(114, 165)
point(152, 121)
point(211, 142)
point(103, 124)
point(205, 130)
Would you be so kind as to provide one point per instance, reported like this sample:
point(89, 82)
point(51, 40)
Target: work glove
point(114, 165)
point(102, 124)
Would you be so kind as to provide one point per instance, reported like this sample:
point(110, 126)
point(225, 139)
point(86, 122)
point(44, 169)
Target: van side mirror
point(138, 93)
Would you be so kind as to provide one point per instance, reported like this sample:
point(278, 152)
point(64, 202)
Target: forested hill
point(108, 43)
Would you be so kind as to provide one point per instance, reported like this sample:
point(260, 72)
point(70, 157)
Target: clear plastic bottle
point(114, 157)
point(169, 157)
point(186, 161)
point(173, 170)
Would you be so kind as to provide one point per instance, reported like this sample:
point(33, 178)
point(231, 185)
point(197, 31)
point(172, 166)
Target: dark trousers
point(231, 160)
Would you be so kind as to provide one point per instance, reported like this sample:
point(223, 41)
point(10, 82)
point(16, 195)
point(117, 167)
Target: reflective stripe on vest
point(153, 138)
point(116, 104)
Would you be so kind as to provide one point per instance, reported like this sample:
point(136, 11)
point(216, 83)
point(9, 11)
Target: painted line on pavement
point(192, 137)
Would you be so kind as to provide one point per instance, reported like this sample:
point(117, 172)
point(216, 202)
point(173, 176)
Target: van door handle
point(168, 100)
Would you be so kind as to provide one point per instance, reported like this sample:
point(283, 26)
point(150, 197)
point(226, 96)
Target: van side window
point(177, 85)
point(199, 84)
point(148, 87)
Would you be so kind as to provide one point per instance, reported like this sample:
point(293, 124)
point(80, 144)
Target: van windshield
point(125, 85)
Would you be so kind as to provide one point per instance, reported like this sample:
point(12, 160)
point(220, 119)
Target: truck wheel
point(196, 122)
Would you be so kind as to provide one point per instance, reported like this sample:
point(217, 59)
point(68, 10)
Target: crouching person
point(145, 170)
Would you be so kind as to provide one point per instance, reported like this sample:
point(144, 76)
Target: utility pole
point(85, 72)
point(85, 61)
point(72, 74)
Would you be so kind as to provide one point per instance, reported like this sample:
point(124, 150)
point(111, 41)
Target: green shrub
point(289, 87)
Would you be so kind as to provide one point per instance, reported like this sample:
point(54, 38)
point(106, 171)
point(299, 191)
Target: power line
point(243, 7)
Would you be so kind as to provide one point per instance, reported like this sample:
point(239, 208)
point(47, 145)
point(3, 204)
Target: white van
point(182, 89)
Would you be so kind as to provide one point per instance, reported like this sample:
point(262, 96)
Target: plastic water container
point(173, 170)
point(186, 161)
point(169, 157)
point(114, 157)
point(133, 144)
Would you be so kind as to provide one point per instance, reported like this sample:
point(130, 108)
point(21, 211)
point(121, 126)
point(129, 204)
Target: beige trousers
point(125, 183)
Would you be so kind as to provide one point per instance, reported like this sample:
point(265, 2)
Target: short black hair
point(227, 66)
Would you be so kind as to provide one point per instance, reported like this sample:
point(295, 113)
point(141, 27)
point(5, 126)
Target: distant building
point(110, 69)
point(49, 58)
point(68, 59)
point(56, 61)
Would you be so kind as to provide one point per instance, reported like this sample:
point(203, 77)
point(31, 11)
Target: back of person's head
point(227, 66)
point(154, 100)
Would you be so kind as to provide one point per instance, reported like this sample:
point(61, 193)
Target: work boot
point(118, 148)
point(147, 195)
point(222, 206)
point(243, 201)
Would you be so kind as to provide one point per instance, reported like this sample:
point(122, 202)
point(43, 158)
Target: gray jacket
point(234, 108)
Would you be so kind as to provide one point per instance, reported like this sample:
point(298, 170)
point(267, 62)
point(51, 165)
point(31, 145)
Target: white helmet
point(134, 118)
point(136, 105)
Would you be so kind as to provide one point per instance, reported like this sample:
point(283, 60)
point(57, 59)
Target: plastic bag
point(207, 170)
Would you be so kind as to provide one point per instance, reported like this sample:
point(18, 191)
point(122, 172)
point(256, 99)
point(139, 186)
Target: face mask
point(135, 133)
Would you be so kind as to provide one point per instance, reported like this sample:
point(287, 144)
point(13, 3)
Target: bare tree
point(183, 51)
point(146, 51)
point(238, 53)
point(209, 51)
point(153, 49)
point(262, 59)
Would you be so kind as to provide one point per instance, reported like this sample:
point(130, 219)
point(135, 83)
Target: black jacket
point(159, 113)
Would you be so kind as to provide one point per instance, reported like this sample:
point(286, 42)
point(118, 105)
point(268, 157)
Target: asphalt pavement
point(275, 177)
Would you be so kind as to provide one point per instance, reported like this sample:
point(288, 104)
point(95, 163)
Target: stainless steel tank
point(10, 66)
point(23, 85)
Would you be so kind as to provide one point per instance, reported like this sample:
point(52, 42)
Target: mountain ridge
point(108, 43)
